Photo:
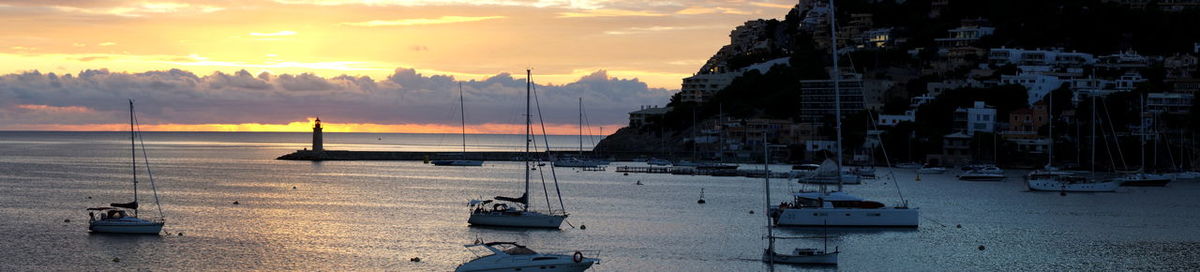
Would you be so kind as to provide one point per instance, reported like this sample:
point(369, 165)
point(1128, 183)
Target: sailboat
point(837, 208)
point(123, 217)
point(1050, 179)
point(1141, 178)
point(579, 161)
point(463, 117)
point(799, 255)
point(497, 211)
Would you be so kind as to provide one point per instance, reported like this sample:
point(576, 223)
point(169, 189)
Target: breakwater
point(347, 155)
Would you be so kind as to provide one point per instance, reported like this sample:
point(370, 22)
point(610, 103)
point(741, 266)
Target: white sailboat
point(510, 256)
point(123, 217)
point(1050, 179)
point(579, 161)
point(798, 255)
point(463, 117)
point(497, 211)
point(837, 208)
point(1141, 178)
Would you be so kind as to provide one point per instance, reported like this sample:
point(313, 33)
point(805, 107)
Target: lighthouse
point(317, 141)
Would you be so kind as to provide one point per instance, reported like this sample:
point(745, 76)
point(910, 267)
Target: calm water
point(376, 215)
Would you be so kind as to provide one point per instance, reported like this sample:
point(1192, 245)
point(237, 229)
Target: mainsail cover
point(524, 199)
point(130, 205)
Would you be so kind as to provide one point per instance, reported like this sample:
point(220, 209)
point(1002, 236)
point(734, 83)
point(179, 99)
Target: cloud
point(711, 10)
point(179, 97)
point(140, 9)
point(272, 34)
point(107, 44)
point(425, 21)
point(653, 29)
point(609, 13)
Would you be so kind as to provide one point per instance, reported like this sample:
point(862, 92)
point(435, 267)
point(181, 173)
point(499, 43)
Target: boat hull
point(981, 177)
point(567, 266)
point(846, 179)
point(516, 220)
point(849, 217)
point(931, 171)
point(1057, 186)
point(457, 163)
point(816, 259)
point(125, 227)
point(1145, 181)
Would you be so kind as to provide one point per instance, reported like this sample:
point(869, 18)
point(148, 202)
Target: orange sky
point(656, 42)
point(327, 127)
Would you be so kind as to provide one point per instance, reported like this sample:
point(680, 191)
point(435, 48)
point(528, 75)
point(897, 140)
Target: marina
point(376, 215)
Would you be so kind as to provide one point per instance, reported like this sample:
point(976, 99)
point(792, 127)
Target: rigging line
point(149, 173)
point(1108, 149)
point(542, 176)
point(886, 161)
point(588, 126)
point(553, 173)
point(1113, 128)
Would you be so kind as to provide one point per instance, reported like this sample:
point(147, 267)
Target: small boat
point(123, 217)
point(985, 173)
point(865, 172)
point(908, 165)
point(1184, 176)
point(576, 162)
point(1064, 182)
point(799, 255)
point(510, 256)
point(1144, 180)
point(927, 169)
point(975, 175)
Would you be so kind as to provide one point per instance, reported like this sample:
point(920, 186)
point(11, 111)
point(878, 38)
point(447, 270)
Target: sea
point(379, 215)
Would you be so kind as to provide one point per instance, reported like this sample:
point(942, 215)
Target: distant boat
point(908, 165)
point(806, 166)
point(463, 117)
point(1049, 181)
point(983, 173)
point(576, 162)
point(927, 169)
point(498, 212)
point(510, 256)
point(716, 166)
point(1144, 180)
point(123, 217)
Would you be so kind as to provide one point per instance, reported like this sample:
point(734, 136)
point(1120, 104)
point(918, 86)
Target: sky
point(360, 65)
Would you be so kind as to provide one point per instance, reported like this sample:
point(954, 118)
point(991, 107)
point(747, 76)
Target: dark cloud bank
point(181, 97)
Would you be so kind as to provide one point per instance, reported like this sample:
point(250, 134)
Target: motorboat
point(1144, 180)
point(806, 166)
point(510, 256)
point(123, 217)
point(1184, 175)
point(839, 209)
point(986, 173)
point(1065, 182)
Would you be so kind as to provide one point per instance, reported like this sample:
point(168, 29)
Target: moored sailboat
point(463, 117)
point(124, 217)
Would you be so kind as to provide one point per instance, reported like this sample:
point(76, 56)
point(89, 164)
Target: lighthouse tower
point(317, 141)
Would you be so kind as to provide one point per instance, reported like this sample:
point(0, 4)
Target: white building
point(698, 88)
point(889, 120)
point(647, 115)
point(1038, 57)
point(980, 118)
point(1169, 102)
point(1037, 85)
point(965, 36)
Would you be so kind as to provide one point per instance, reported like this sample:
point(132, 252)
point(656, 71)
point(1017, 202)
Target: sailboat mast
point(1093, 147)
point(1050, 120)
point(581, 127)
point(528, 128)
point(462, 109)
point(767, 189)
point(133, 155)
point(1142, 115)
point(837, 91)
